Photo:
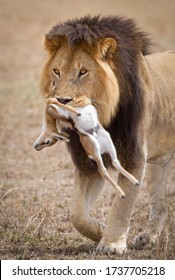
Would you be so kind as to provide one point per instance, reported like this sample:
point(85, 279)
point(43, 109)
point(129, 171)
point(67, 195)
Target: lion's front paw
point(118, 247)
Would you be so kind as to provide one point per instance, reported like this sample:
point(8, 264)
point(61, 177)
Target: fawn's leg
point(102, 170)
point(125, 173)
point(116, 163)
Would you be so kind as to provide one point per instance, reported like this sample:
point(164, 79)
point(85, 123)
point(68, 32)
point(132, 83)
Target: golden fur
point(102, 88)
point(134, 93)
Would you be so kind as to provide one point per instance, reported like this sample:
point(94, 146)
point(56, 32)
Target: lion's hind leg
point(156, 178)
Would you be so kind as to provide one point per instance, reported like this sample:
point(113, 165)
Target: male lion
point(108, 60)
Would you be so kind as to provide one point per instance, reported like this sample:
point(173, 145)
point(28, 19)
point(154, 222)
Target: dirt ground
point(35, 187)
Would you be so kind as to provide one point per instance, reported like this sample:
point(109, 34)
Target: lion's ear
point(52, 44)
point(107, 47)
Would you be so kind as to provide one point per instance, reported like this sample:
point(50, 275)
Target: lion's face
point(74, 71)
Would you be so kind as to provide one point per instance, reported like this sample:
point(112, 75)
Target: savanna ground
point(36, 187)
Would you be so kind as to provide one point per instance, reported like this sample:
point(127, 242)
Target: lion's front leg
point(115, 234)
point(87, 188)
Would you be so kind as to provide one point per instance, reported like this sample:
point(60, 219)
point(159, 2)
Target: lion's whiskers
point(97, 101)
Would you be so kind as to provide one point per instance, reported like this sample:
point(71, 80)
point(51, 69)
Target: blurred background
point(35, 187)
point(24, 23)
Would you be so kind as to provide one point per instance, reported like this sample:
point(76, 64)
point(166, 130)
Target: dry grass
point(36, 187)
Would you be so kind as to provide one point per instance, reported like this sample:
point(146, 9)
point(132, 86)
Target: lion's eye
point(56, 72)
point(82, 72)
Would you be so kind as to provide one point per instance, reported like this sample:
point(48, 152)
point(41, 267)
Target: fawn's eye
point(82, 72)
point(56, 72)
point(53, 83)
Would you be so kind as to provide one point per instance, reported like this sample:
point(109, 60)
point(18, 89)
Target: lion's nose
point(64, 100)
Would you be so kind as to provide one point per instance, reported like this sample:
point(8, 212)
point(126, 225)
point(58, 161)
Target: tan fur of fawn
point(93, 137)
point(49, 130)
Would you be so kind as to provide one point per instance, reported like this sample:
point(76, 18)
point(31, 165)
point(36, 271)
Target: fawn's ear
point(61, 137)
point(107, 47)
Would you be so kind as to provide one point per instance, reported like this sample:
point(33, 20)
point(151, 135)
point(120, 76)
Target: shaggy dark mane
point(91, 29)
point(130, 41)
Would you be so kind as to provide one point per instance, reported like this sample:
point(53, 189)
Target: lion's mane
point(130, 42)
